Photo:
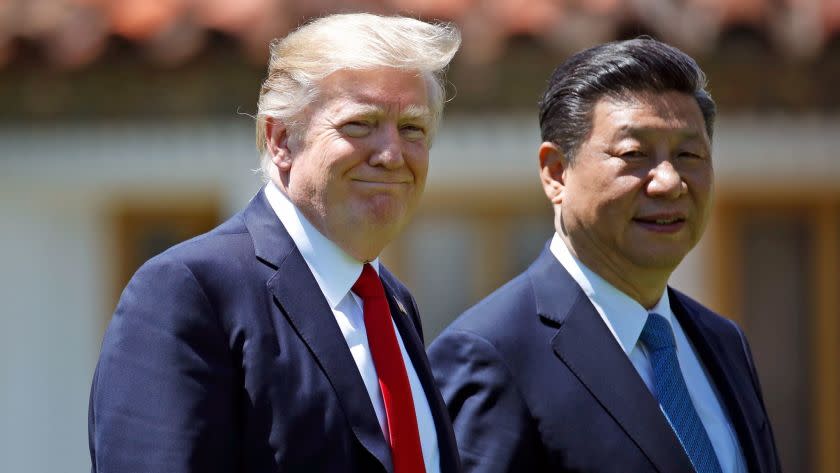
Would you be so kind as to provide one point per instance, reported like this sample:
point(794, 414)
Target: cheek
point(418, 163)
point(612, 194)
point(700, 186)
point(310, 173)
point(334, 162)
point(702, 183)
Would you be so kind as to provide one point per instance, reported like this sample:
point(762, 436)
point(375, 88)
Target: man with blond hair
point(277, 341)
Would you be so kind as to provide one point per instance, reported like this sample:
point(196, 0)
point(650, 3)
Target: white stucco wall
point(56, 184)
point(51, 325)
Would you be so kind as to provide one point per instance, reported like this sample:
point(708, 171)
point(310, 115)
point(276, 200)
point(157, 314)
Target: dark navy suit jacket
point(535, 382)
point(224, 356)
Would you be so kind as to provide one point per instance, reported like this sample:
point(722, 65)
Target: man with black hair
point(588, 361)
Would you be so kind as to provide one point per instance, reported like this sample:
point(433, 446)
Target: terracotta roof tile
point(73, 33)
point(831, 17)
point(143, 19)
point(437, 9)
point(526, 16)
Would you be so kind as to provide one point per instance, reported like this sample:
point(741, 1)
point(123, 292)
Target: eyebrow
point(411, 112)
point(633, 131)
point(415, 112)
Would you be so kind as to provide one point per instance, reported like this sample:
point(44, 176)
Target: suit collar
point(307, 310)
point(553, 288)
point(333, 269)
point(272, 243)
point(622, 314)
point(587, 347)
point(413, 343)
point(728, 373)
point(309, 313)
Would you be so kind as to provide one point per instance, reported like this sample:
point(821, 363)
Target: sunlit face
point(638, 194)
point(359, 165)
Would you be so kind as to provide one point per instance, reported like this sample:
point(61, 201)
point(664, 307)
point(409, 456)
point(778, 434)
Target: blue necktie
point(669, 384)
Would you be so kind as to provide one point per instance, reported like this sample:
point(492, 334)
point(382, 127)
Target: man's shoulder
point(500, 313)
point(214, 254)
point(223, 243)
point(502, 333)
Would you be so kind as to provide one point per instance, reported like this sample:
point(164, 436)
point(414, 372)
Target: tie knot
point(368, 285)
point(657, 333)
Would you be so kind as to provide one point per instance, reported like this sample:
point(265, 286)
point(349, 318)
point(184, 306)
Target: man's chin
point(384, 223)
point(661, 260)
point(367, 235)
point(384, 211)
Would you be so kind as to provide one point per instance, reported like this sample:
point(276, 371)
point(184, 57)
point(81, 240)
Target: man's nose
point(388, 150)
point(665, 181)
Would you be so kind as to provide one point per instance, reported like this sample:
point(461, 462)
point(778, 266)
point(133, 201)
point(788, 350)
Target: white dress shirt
point(335, 272)
point(626, 318)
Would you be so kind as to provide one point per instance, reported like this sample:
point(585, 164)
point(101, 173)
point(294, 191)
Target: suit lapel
point(587, 347)
point(729, 375)
point(417, 353)
point(307, 310)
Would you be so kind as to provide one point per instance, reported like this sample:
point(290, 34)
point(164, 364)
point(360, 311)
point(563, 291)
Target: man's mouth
point(661, 223)
point(666, 221)
point(382, 181)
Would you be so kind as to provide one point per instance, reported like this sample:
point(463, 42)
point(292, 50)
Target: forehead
point(648, 114)
point(381, 88)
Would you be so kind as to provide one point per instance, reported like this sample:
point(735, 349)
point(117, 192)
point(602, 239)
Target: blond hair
point(350, 41)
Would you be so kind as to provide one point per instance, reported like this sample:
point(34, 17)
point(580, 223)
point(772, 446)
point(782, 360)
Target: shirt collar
point(334, 270)
point(623, 315)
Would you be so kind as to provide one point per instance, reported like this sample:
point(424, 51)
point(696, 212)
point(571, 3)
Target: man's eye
point(632, 154)
point(356, 129)
point(689, 155)
point(412, 132)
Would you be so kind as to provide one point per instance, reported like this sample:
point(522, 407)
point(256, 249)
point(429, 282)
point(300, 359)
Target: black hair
point(614, 70)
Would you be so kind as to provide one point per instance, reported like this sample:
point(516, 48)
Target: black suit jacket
point(534, 381)
point(224, 356)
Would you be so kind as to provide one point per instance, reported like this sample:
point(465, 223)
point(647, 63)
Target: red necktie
point(393, 380)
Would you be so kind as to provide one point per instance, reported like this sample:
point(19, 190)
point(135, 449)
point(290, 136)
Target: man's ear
point(277, 143)
point(553, 165)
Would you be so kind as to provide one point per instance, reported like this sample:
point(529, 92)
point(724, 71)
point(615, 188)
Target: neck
point(363, 243)
point(644, 285)
point(360, 249)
